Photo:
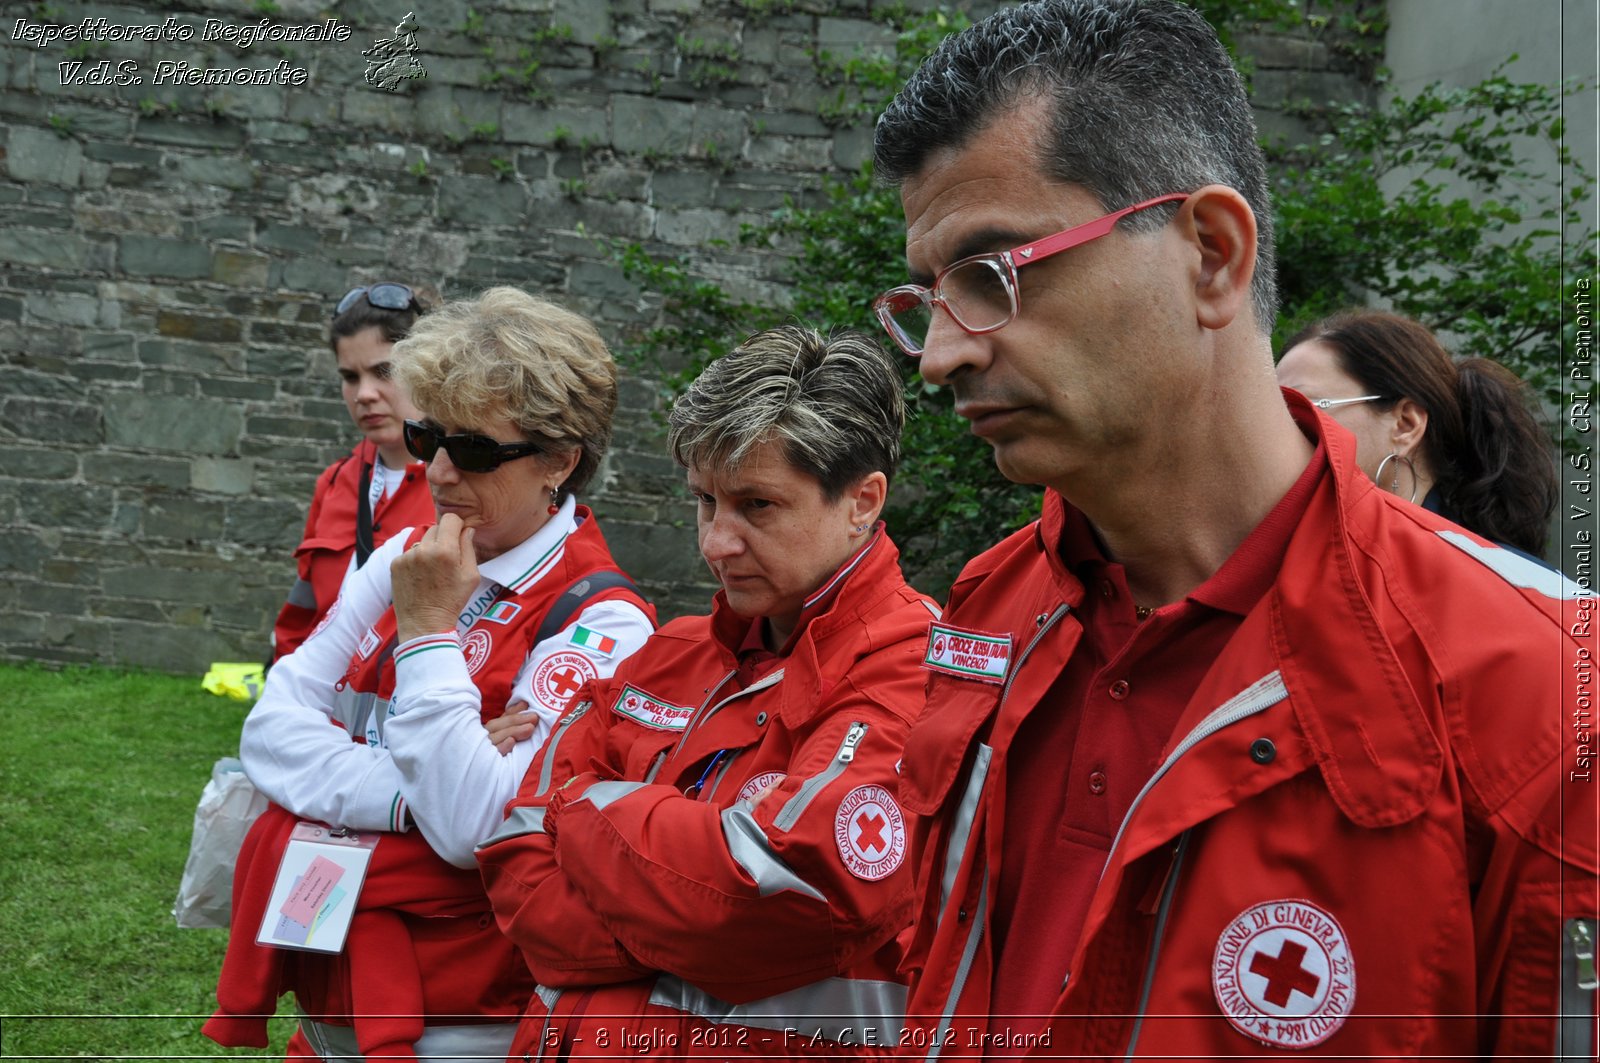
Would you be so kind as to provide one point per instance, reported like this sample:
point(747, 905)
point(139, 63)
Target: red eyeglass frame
point(1029, 253)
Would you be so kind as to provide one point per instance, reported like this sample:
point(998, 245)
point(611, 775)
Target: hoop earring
point(1394, 487)
point(555, 504)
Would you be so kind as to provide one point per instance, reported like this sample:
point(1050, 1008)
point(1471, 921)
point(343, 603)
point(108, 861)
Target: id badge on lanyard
point(314, 893)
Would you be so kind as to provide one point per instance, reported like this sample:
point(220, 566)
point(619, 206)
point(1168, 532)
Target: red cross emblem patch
point(1283, 974)
point(767, 780)
point(870, 832)
point(559, 676)
point(475, 648)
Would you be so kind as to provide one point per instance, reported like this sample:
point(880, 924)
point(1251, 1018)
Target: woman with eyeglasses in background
point(511, 601)
point(377, 489)
point(1456, 437)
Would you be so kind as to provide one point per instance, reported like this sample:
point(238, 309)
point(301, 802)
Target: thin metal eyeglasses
point(1329, 404)
point(385, 295)
point(980, 292)
point(469, 451)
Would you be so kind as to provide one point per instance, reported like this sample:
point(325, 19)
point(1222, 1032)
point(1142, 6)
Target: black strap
point(364, 516)
point(579, 593)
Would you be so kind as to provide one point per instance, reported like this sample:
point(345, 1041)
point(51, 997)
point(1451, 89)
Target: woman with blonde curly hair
point(511, 601)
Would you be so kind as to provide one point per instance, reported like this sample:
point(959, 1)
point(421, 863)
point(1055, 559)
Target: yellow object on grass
point(241, 681)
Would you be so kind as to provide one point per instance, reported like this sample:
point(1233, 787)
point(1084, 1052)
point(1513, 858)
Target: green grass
point(99, 775)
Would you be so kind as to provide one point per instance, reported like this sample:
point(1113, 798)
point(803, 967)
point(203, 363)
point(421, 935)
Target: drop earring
point(555, 506)
point(1394, 485)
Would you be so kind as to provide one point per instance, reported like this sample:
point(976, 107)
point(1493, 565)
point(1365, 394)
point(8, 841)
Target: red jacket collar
point(1368, 727)
point(840, 605)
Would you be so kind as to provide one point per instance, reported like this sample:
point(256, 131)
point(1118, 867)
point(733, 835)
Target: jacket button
point(1097, 782)
point(761, 718)
point(1262, 751)
point(1039, 620)
point(1119, 690)
point(961, 915)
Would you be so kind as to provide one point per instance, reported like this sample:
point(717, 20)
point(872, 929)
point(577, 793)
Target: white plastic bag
point(228, 805)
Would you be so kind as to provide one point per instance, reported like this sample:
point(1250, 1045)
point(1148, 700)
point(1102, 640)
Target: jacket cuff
point(430, 662)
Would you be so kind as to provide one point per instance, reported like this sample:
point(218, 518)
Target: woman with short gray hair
point(710, 851)
point(835, 407)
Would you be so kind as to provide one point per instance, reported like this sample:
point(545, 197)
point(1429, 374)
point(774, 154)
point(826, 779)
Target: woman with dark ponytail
point(1457, 437)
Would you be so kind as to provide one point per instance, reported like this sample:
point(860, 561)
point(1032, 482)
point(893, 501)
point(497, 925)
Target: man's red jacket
point(1372, 834)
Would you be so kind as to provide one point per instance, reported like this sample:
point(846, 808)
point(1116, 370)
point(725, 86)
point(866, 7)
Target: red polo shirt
point(1074, 772)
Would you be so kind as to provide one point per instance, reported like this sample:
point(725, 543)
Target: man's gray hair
point(834, 403)
point(1145, 102)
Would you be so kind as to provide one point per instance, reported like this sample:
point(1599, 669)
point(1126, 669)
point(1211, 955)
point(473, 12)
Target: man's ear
point(1223, 227)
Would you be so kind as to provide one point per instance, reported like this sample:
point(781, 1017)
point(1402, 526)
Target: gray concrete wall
point(168, 254)
point(1462, 42)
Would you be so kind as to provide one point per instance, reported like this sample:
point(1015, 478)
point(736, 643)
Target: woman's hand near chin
point(433, 580)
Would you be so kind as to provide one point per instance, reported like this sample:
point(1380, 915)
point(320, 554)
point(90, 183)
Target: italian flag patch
point(604, 645)
point(502, 612)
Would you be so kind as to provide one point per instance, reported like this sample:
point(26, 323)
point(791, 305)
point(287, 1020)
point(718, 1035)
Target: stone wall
point(169, 253)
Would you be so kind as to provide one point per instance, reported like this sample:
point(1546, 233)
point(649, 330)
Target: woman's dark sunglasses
point(469, 451)
point(385, 295)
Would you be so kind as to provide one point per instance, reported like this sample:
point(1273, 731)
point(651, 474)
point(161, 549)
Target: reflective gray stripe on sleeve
point(360, 712)
point(859, 1004)
point(302, 595)
point(548, 998)
point(548, 767)
point(337, 1044)
point(601, 794)
point(1517, 570)
point(966, 812)
point(750, 850)
point(963, 969)
point(1575, 1030)
point(522, 821)
point(790, 813)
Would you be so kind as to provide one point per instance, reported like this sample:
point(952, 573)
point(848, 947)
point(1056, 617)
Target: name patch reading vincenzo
point(968, 654)
point(650, 710)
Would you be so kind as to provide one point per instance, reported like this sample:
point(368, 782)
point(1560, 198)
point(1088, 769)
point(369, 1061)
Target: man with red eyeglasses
point(1228, 753)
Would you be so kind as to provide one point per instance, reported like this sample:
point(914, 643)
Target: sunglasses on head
point(385, 295)
point(469, 451)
